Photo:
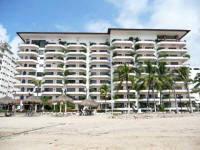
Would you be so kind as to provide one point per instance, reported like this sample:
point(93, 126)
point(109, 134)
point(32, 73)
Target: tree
point(38, 84)
point(183, 74)
point(124, 75)
point(104, 92)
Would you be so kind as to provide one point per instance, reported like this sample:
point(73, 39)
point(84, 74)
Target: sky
point(98, 15)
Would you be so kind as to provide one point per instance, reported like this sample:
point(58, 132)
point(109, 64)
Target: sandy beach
point(101, 132)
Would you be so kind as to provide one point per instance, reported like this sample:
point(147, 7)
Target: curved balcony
point(25, 77)
point(26, 69)
point(150, 91)
point(94, 54)
point(19, 93)
point(54, 61)
point(105, 77)
point(117, 65)
point(76, 85)
point(55, 85)
point(168, 58)
point(94, 93)
point(76, 53)
point(98, 69)
point(76, 93)
point(53, 69)
point(98, 61)
point(150, 99)
point(20, 85)
point(27, 61)
point(54, 46)
point(123, 83)
point(177, 91)
point(171, 43)
point(146, 43)
point(96, 84)
point(98, 46)
point(125, 100)
point(177, 66)
point(76, 77)
point(146, 58)
point(145, 51)
point(54, 53)
point(76, 61)
point(53, 77)
point(76, 46)
point(28, 46)
point(45, 93)
point(121, 42)
point(169, 51)
point(24, 53)
point(122, 58)
point(76, 68)
point(121, 50)
point(124, 91)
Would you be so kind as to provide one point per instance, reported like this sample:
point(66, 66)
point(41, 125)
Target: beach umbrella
point(33, 100)
point(63, 99)
point(89, 102)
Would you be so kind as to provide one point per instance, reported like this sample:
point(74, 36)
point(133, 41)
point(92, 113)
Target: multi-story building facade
point(7, 70)
point(78, 63)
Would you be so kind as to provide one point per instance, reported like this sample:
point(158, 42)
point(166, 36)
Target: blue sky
point(98, 15)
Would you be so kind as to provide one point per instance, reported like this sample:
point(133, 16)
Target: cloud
point(97, 26)
point(13, 43)
point(3, 34)
point(176, 14)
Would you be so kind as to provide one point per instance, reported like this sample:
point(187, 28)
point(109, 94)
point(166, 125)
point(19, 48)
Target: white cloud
point(3, 34)
point(13, 43)
point(176, 14)
point(97, 26)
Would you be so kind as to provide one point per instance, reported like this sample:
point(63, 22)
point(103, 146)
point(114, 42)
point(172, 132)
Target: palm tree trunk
point(128, 95)
point(154, 99)
point(137, 101)
point(175, 99)
point(105, 104)
point(148, 98)
point(191, 109)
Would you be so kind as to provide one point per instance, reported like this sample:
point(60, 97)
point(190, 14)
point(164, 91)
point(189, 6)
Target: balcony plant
point(66, 73)
point(60, 65)
point(132, 54)
point(62, 42)
point(137, 46)
point(114, 54)
point(66, 81)
point(84, 81)
point(43, 73)
point(82, 97)
point(137, 39)
point(186, 55)
point(107, 43)
point(115, 96)
point(61, 58)
point(159, 48)
point(84, 50)
point(162, 55)
point(131, 39)
point(114, 40)
point(82, 73)
point(112, 47)
point(82, 58)
point(84, 44)
point(93, 90)
point(92, 43)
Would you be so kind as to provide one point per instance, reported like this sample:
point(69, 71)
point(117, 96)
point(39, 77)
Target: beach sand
point(101, 132)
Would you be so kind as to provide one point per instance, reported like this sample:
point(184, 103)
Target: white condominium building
point(7, 70)
point(74, 62)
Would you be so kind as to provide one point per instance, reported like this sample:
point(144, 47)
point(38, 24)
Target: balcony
point(27, 61)
point(145, 51)
point(70, 53)
point(176, 66)
point(172, 58)
point(53, 68)
point(121, 42)
point(122, 58)
point(96, 54)
point(147, 58)
point(145, 43)
point(99, 61)
point(28, 53)
point(25, 77)
point(171, 43)
point(54, 46)
point(125, 100)
point(54, 53)
point(124, 91)
point(55, 85)
point(76, 85)
point(100, 69)
point(105, 77)
point(25, 93)
point(76, 76)
point(28, 46)
point(75, 93)
point(76, 69)
point(54, 60)
point(170, 51)
point(53, 77)
point(121, 50)
point(98, 46)
point(26, 69)
point(121, 64)
point(50, 93)
point(178, 91)
point(20, 85)
point(74, 45)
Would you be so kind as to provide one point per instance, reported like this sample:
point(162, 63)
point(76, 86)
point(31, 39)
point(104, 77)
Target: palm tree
point(183, 74)
point(124, 75)
point(37, 84)
point(104, 92)
point(197, 81)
